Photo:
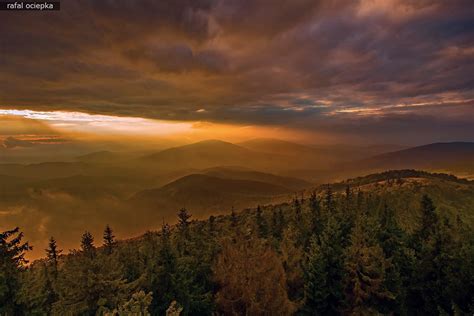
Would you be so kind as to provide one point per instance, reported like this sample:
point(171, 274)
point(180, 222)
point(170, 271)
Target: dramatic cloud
point(11, 142)
point(368, 67)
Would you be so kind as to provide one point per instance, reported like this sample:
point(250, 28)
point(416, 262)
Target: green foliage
point(324, 272)
point(278, 224)
point(87, 244)
point(382, 248)
point(138, 305)
point(262, 226)
point(38, 294)
point(329, 200)
point(366, 267)
point(109, 240)
point(12, 261)
point(183, 221)
point(247, 286)
point(315, 212)
point(87, 284)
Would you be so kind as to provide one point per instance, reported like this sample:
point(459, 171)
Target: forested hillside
point(399, 242)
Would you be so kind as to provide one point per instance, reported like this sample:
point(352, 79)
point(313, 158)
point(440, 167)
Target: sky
point(373, 71)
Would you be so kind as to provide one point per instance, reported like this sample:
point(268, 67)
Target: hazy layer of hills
point(403, 189)
point(413, 222)
point(273, 156)
point(239, 173)
point(439, 155)
point(208, 194)
point(209, 177)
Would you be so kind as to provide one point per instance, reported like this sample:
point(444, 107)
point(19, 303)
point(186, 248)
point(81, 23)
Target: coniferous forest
point(331, 252)
point(236, 157)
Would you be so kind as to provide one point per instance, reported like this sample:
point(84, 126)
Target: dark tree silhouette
point(262, 226)
point(109, 240)
point(183, 221)
point(12, 262)
point(87, 244)
point(52, 254)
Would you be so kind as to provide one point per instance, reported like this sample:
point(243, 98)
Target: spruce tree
point(262, 226)
point(163, 279)
point(52, 254)
point(233, 218)
point(183, 222)
point(138, 304)
point(87, 244)
point(251, 279)
point(315, 213)
point(329, 201)
point(360, 201)
point(88, 284)
point(324, 272)
point(212, 224)
point(109, 240)
point(278, 224)
point(37, 293)
point(400, 269)
point(298, 211)
point(183, 232)
point(12, 262)
point(365, 271)
point(429, 219)
point(316, 277)
point(348, 201)
point(435, 252)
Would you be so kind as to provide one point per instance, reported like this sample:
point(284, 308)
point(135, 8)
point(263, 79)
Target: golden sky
point(375, 70)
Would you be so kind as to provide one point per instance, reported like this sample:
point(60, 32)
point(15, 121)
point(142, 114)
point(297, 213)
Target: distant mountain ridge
point(237, 173)
point(402, 174)
point(204, 193)
point(214, 153)
point(436, 155)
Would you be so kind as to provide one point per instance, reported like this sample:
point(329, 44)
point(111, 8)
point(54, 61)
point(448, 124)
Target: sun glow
point(78, 125)
point(101, 124)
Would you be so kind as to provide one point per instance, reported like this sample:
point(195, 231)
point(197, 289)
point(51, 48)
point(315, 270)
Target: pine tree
point(233, 218)
point(278, 224)
point(429, 219)
point(183, 237)
point(365, 271)
point(329, 200)
point(12, 262)
point(293, 257)
point(163, 279)
point(281, 219)
point(212, 224)
point(316, 277)
point(52, 254)
point(298, 211)
point(251, 279)
point(348, 200)
point(315, 213)
point(435, 250)
point(87, 244)
point(360, 201)
point(262, 226)
point(109, 240)
point(89, 285)
point(324, 272)
point(183, 222)
point(398, 274)
point(37, 293)
point(138, 304)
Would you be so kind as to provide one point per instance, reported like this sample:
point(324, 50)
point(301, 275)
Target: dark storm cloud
point(304, 63)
